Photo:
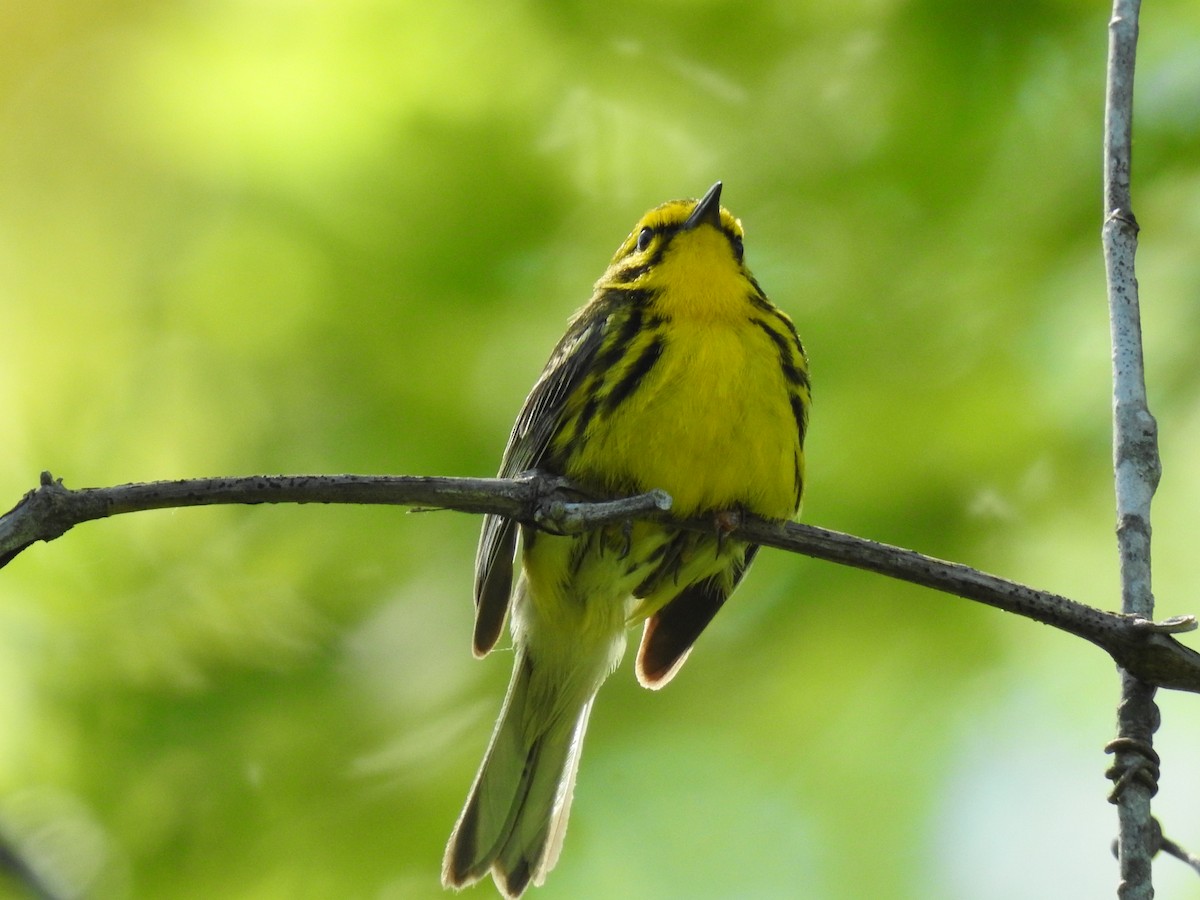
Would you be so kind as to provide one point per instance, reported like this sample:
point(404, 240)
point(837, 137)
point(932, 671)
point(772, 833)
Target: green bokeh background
point(258, 237)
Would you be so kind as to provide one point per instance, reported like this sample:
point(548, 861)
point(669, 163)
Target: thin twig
point(1171, 848)
point(1135, 454)
point(1140, 646)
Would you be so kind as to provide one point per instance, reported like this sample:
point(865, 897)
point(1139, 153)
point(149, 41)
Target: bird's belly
point(711, 424)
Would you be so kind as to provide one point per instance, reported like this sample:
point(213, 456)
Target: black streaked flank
point(800, 413)
point(793, 373)
point(779, 340)
point(634, 375)
point(759, 297)
point(789, 325)
point(798, 477)
point(657, 553)
point(669, 560)
point(760, 302)
point(581, 547)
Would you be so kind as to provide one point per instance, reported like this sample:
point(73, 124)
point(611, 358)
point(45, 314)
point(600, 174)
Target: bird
point(678, 374)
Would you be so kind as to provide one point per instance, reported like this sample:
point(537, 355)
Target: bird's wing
point(540, 418)
point(670, 633)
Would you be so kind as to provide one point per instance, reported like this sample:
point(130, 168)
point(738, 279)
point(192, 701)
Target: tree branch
point(1135, 460)
point(1138, 645)
point(1171, 848)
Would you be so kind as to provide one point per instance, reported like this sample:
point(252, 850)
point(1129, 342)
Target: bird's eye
point(739, 249)
point(644, 237)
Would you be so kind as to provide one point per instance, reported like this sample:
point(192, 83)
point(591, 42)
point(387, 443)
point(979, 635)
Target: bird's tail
point(516, 814)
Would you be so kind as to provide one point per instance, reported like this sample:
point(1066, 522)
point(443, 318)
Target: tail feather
point(516, 814)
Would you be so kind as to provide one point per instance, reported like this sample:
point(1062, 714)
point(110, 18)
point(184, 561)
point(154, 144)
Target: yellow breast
point(711, 424)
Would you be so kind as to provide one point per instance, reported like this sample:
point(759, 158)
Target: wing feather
point(539, 420)
point(670, 633)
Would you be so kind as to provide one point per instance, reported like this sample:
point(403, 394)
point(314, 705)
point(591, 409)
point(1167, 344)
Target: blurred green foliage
point(242, 237)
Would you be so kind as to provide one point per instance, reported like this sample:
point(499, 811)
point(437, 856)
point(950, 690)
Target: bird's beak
point(707, 211)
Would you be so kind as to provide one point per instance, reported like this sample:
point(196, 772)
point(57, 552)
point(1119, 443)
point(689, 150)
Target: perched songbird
point(679, 374)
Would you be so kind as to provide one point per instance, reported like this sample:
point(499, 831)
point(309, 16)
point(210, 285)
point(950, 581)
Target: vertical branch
point(1135, 460)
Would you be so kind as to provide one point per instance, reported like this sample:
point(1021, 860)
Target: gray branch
point(1135, 462)
point(1137, 644)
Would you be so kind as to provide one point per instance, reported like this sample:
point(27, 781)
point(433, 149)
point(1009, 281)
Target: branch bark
point(1135, 461)
point(1138, 645)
